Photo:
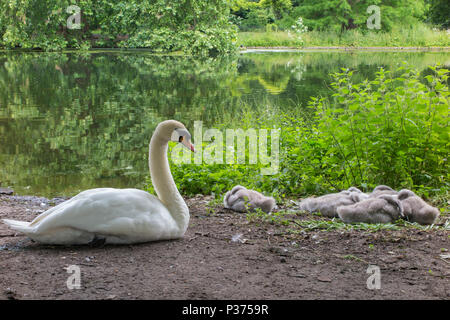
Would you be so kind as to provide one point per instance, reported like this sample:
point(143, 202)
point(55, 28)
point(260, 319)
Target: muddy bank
point(224, 256)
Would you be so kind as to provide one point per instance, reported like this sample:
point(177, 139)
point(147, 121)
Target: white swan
point(120, 216)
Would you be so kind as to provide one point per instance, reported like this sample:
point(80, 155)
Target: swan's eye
point(180, 139)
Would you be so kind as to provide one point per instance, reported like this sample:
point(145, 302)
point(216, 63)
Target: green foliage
point(337, 15)
point(268, 39)
point(255, 19)
point(298, 223)
point(298, 29)
point(391, 130)
point(439, 12)
point(324, 14)
point(419, 35)
point(199, 27)
point(271, 27)
point(94, 129)
point(277, 6)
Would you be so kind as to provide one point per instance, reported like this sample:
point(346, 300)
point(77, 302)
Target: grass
point(291, 219)
point(417, 36)
point(267, 39)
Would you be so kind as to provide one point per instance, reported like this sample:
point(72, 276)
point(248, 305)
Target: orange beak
point(188, 145)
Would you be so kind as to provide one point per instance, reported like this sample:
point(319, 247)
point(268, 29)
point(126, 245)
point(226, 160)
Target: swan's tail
point(21, 226)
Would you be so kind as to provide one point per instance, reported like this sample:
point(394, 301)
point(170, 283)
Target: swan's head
point(172, 130)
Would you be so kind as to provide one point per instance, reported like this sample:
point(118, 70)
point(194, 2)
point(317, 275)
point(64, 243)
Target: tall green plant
point(392, 130)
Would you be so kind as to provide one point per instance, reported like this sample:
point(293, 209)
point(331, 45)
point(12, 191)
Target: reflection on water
point(70, 122)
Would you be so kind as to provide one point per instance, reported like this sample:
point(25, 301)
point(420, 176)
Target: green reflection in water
point(70, 122)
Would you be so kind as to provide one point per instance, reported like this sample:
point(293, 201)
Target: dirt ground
point(266, 262)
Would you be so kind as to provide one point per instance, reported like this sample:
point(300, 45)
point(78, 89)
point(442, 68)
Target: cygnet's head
point(404, 194)
point(354, 189)
point(382, 187)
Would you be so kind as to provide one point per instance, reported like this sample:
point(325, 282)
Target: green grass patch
point(416, 36)
point(296, 223)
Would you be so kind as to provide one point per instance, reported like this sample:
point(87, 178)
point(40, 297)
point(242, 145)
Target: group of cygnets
point(382, 205)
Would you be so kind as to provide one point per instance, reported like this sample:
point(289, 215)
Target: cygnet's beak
point(188, 145)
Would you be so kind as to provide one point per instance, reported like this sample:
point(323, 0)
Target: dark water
point(70, 122)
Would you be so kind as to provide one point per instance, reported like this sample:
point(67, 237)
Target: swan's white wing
point(121, 212)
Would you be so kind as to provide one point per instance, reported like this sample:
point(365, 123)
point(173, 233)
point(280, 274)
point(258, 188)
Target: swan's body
point(241, 199)
point(119, 216)
point(382, 209)
point(327, 204)
point(415, 209)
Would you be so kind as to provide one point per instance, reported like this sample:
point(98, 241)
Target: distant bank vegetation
point(210, 27)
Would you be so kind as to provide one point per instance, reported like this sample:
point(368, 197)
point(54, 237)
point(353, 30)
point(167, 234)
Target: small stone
point(298, 275)
point(324, 279)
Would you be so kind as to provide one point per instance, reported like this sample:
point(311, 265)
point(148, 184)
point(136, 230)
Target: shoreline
point(343, 48)
point(241, 49)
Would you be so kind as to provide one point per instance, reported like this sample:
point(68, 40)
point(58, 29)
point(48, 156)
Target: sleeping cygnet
point(382, 209)
point(382, 189)
point(415, 209)
point(328, 204)
point(241, 199)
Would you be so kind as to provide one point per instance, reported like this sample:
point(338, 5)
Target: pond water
point(70, 121)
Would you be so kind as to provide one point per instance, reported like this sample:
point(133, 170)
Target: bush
point(392, 130)
point(256, 19)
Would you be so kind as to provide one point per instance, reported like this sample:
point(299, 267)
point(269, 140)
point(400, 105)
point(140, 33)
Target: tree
point(194, 26)
point(439, 12)
point(277, 6)
point(349, 14)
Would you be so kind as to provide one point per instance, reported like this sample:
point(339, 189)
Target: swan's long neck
point(163, 183)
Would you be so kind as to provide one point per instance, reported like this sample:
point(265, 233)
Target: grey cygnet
point(327, 204)
point(241, 199)
point(415, 209)
point(382, 209)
